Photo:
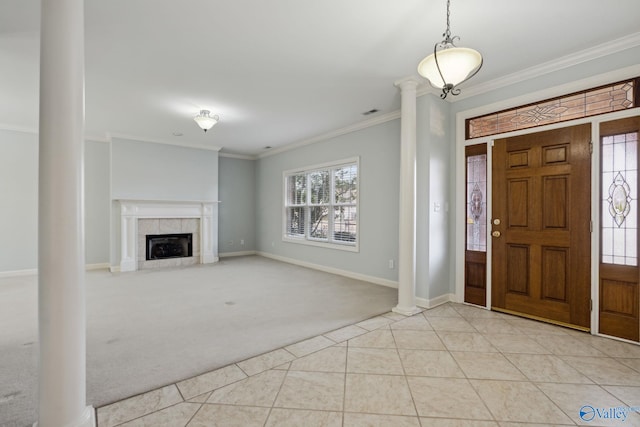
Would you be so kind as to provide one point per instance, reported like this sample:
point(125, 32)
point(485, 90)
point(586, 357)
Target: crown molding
point(599, 51)
point(238, 156)
point(335, 133)
point(164, 142)
point(14, 128)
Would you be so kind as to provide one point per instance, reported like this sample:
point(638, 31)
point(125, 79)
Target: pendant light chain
point(447, 34)
point(450, 65)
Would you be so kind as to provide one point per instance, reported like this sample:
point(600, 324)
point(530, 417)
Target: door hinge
point(591, 147)
point(590, 305)
point(590, 226)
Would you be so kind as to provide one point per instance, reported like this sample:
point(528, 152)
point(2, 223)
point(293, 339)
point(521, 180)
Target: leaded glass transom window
point(605, 99)
point(620, 199)
point(477, 203)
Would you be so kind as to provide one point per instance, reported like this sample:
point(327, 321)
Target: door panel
point(619, 271)
point(475, 274)
point(542, 197)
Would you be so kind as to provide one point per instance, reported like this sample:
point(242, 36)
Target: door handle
point(495, 233)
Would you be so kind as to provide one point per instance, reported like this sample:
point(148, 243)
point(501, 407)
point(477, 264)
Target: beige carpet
point(151, 328)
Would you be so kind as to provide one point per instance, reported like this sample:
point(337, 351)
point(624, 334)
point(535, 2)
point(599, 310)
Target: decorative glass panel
point(618, 96)
point(620, 199)
point(345, 222)
point(477, 203)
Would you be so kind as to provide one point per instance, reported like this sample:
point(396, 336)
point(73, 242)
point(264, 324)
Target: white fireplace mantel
point(132, 210)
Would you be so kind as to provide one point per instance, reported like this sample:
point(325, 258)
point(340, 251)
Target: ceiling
point(280, 71)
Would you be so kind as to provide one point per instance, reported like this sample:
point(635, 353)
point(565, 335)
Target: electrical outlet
point(241, 242)
point(391, 264)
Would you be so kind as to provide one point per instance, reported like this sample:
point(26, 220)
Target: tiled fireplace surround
point(139, 218)
point(167, 226)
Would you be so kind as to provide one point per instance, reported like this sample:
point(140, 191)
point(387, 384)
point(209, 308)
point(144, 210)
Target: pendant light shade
point(449, 65)
point(205, 121)
point(456, 64)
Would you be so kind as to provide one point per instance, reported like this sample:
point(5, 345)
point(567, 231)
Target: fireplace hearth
point(163, 246)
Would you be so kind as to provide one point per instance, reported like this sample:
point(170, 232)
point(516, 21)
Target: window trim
point(307, 240)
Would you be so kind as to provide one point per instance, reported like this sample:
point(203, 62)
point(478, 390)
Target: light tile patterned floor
point(453, 365)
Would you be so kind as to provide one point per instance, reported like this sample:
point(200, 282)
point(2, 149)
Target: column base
point(406, 311)
point(209, 258)
point(87, 419)
point(128, 265)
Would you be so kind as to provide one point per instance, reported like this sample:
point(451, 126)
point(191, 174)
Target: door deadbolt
point(496, 221)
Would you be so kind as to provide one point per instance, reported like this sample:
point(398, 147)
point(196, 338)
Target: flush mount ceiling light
point(449, 65)
point(205, 121)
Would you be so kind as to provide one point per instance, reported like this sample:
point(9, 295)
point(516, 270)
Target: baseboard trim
point(332, 270)
point(434, 302)
point(15, 273)
point(239, 253)
point(99, 266)
point(34, 271)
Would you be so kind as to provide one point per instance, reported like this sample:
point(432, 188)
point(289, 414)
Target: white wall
point(19, 201)
point(433, 197)
point(379, 150)
point(146, 170)
point(96, 202)
point(237, 210)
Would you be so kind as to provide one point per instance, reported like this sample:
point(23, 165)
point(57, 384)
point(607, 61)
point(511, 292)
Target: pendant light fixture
point(205, 121)
point(449, 65)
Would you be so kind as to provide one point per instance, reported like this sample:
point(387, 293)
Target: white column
point(61, 293)
point(407, 233)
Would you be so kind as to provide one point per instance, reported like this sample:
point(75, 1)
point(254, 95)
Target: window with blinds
point(321, 205)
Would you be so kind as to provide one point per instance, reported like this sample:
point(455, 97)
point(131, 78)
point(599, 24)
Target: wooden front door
point(541, 226)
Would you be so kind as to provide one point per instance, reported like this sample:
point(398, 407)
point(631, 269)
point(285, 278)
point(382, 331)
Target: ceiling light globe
point(456, 64)
point(205, 121)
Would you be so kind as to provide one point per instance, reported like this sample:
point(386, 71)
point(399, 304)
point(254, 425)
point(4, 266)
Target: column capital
point(408, 82)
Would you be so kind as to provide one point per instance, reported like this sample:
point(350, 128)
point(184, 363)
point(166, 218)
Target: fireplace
point(139, 218)
point(163, 246)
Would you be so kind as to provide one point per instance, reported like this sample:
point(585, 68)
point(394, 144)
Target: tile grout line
point(344, 388)
point(466, 377)
point(404, 374)
point(194, 414)
point(275, 398)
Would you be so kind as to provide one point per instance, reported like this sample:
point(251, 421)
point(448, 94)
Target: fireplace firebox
point(162, 246)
